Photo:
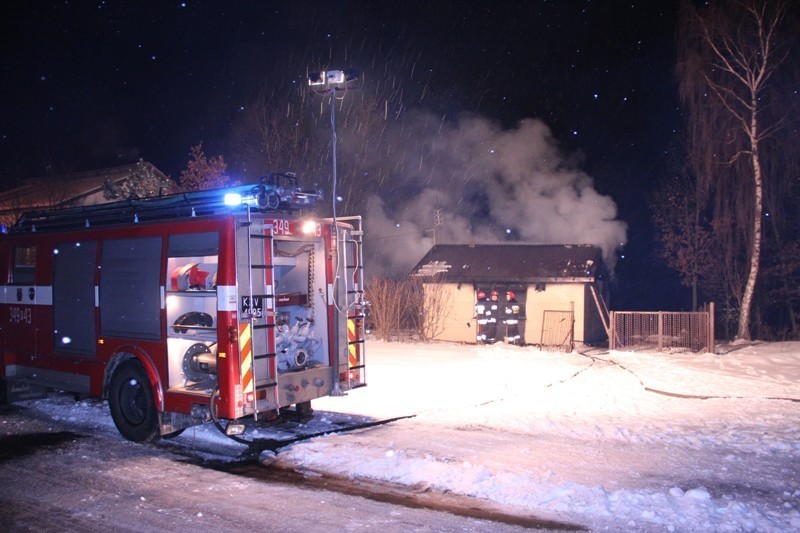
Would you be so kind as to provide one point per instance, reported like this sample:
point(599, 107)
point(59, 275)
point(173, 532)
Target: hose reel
point(199, 362)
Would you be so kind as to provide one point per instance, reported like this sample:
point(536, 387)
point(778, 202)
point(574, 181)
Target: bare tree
point(729, 53)
point(431, 303)
point(407, 307)
point(390, 302)
point(274, 134)
point(379, 295)
point(435, 310)
point(289, 129)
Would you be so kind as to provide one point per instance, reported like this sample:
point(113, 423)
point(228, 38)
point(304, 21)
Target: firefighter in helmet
point(480, 316)
point(487, 312)
point(511, 316)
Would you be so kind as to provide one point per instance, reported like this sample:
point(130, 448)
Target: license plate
point(252, 306)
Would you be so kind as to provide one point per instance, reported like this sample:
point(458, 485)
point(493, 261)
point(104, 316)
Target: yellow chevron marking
point(351, 336)
point(247, 356)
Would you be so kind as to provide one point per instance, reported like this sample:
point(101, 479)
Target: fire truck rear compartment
point(301, 322)
point(284, 344)
point(299, 327)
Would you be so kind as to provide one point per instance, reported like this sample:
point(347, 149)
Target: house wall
point(554, 297)
point(458, 311)
point(458, 322)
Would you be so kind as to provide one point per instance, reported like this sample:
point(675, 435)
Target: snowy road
point(57, 478)
point(619, 441)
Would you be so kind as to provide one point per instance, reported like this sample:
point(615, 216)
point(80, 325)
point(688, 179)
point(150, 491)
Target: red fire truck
point(220, 305)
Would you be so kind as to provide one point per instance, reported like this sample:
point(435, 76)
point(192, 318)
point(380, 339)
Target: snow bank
point(608, 440)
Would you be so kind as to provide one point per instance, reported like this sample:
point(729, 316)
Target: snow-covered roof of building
point(467, 263)
point(77, 188)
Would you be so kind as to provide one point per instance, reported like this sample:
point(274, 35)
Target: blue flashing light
point(233, 198)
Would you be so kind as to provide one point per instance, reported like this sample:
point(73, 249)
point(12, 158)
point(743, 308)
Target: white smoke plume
point(490, 184)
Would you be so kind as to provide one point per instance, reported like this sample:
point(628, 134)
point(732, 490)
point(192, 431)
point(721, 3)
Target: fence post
point(660, 331)
point(612, 330)
point(711, 331)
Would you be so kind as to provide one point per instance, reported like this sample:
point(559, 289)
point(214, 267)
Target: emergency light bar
point(260, 201)
point(258, 198)
point(232, 198)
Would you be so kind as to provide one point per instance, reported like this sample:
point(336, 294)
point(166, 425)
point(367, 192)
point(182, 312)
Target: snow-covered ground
point(617, 441)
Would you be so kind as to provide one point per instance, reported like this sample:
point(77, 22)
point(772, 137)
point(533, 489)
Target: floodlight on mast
point(332, 82)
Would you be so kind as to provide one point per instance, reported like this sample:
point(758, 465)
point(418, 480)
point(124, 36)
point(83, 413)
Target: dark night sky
point(85, 85)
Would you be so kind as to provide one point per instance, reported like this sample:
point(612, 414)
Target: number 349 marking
point(20, 315)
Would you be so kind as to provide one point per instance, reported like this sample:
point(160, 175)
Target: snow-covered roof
point(76, 188)
point(465, 263)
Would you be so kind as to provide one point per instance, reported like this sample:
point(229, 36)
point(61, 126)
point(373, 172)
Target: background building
point(79, 188)
point(559, 288)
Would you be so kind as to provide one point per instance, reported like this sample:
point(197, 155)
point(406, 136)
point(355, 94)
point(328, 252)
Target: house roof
point(65, 189)
point(524, 263)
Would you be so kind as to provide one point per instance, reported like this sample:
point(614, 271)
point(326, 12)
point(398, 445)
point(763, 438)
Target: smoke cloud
point(488, 185)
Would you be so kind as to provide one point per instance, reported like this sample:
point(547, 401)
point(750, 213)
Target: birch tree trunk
point(755, 250)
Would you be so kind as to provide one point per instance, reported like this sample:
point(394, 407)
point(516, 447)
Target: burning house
point(547, 295)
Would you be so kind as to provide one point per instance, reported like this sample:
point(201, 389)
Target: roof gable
point(512, 263)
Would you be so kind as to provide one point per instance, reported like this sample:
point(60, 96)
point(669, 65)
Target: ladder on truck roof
point(181, 205)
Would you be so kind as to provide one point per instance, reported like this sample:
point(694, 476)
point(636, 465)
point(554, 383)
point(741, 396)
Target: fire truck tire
point(131, 401)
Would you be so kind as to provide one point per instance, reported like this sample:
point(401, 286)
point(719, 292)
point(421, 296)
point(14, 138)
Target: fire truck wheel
point(131, 401)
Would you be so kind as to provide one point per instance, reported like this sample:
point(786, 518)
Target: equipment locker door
point(74, 268)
